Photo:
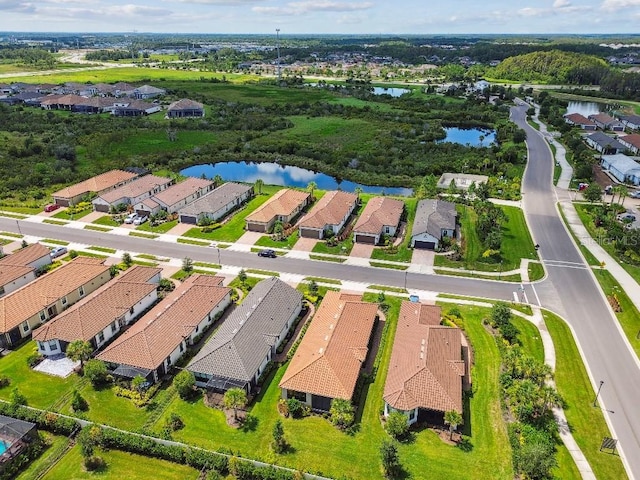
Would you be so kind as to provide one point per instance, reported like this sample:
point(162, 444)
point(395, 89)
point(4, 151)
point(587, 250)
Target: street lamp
point(405, 279)
point(219, 262)
point(18, 224)
point(595, 400)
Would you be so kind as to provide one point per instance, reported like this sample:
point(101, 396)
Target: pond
point(285, 175)
point(394, 92)
point(475, 137)
point(584, 108)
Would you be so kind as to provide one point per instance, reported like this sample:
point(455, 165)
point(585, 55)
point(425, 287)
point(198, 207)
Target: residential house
point(185, 108)
point(427, 366)
point(61, 102)
point(134, 108)
point(631, 122)
point(462, 181)
point(579, 120)
point(95, 185)
point(606, 122)
point(332, 352)
point(381, 216)
point(631, 142)
point(435, 220)
point(37, 302)
point(238, 352)
point(155, 343)
point(283, 207)
point(175, 197)
point(21, 267)
point(622, 167)
point(217, 203)
point(330, 214)
point(604, 144)
point(132, 192)
point(100, 316)
point(147, 91)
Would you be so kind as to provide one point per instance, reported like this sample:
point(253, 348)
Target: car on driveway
point(130, 218)
point(57, 252)
point(267, 252)
point(140, 220)
point(51, 207)
point(635, 194)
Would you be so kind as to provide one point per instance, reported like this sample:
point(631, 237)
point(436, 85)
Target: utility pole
point(278, 50)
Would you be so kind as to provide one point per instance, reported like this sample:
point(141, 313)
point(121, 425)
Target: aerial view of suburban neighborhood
point(319, 240)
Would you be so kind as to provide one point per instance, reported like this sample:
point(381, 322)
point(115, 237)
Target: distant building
point(185, 108)
point(330, 214)
point(217, 203)
point(462, 180)
point(95, 185)
point(579, 120)
point(604, 144)
point(283, 207)
point(631, 141)
point(622, 167)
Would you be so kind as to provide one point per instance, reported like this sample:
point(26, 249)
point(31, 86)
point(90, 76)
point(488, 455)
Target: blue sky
point(322, 16)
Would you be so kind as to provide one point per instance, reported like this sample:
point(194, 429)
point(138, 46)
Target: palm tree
point(235, 398)
point(623, 192)
point(79, 350)
point(217, 180)
point(311, 186)
point(258, 185)
point(358, 191)
point(453, 419)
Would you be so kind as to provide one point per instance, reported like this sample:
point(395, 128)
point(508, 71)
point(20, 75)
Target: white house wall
point(424, 237)
point(19, 282)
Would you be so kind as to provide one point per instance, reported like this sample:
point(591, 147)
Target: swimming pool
point(4, 445)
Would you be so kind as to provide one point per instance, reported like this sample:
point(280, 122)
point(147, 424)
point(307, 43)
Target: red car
point(51, 207)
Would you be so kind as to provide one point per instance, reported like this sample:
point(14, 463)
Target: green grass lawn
point(516, 243)
point(404, 253)
point(41, 390)
point(586, 422)
point(119, 465)
point(288, 243)
point(536, 271)
point(234, 228)
point(106, 220)
point(342, 248)
point(315, 440)
point(55, 445)
point(529, 338)
point(162, 228)
point(585, 217)
point(64, 214)
point(102, 249)
point(97, 228)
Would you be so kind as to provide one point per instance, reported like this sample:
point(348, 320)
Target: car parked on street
point(57, 252)
point(267, 252)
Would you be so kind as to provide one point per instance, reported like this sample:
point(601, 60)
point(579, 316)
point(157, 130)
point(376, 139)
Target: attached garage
point(63, 202)
point(190, 219)
point(424, 244)
point(360, 238)
point(310, 233)
point(101, 208)
point(257, 227)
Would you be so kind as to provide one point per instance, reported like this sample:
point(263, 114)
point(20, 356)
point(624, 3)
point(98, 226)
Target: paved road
point(571, 290)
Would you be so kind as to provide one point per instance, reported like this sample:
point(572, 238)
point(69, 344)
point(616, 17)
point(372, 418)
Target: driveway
point(90, 217)
point(305, 244)
point(180, 229)
point(423, 257)
point(249, 238)
point(361, 250)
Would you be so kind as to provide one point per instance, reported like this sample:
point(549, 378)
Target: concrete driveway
point(361, 250)
point(305, 244)
point(180, 229)
point(249, 238)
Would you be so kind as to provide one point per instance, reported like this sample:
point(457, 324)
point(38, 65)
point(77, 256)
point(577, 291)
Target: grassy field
point(516, 243)
point(119, 465)
point(586, 422)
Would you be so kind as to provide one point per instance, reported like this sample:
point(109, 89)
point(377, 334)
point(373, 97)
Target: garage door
point(188, 219)
point(307, 233)
point(256, 227)
point(63, 202)
point(102, 208)
point(365, 239)
point(422, 244)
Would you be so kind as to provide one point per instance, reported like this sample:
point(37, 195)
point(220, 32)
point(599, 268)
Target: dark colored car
point(51, 207)
point(267, 252)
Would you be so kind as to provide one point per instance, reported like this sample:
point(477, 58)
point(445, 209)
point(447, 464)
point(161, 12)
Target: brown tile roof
point(426, 366)
point(96, 184)
point(185, 104)
point(283, 203)
point(149, 341)
point(378, 212)
point(30, 299)
point(87, 318)
point(68, 100)
point(578, 119)
point(328, 360)
point(330, 210)
point(135, 188)
point(632, 139)
point(26, 255)
point(180, 191)
point(9, 273)
point(601, 117)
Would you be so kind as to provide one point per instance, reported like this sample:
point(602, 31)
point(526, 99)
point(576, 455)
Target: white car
point(635, 194)
point(130, 218)
point(57, 252)
point(140, 220)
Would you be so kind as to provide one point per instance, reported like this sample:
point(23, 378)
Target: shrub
point(4, 381)
point(278, 443)
point(96, 371)
point(390, 459)
point(341, 412)
point(184, 382)
point(138, 398)
point(16, 398)
point(397, 425)
point(78, 403)
point(174, 422)
point(295, 408)
point(34, 359)
point(73, 254)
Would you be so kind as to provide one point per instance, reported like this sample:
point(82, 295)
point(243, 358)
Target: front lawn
point(162, 228)
point(119, 465)
point(586, 422)
point(269, 242)
point(106, 220)
point(342, 248)
point(65, 215)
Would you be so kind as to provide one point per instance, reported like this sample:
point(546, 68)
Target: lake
point(469, 136)
point(584, 108)
point(285, 175)
point(394, 92)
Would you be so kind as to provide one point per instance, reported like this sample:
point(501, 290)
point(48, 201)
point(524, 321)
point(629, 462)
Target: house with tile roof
point(101, 315)
point(330, 356)
point(39, 301)
point(283, 207)
point(147, 91)
point(175, 197)
point(238, 352)
point(216, 204)
point(21, 266)
point(579, 120)
point(606, 122)
point(185, 108)
point(435, 219)
point(427, 367)
point(381, 216)
point(632, 122)
point(330, 214)
point(631, 141)
point(133, 108)
point(154, 344)
point(97, 185)
point(604, 144)
point(131, 193)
